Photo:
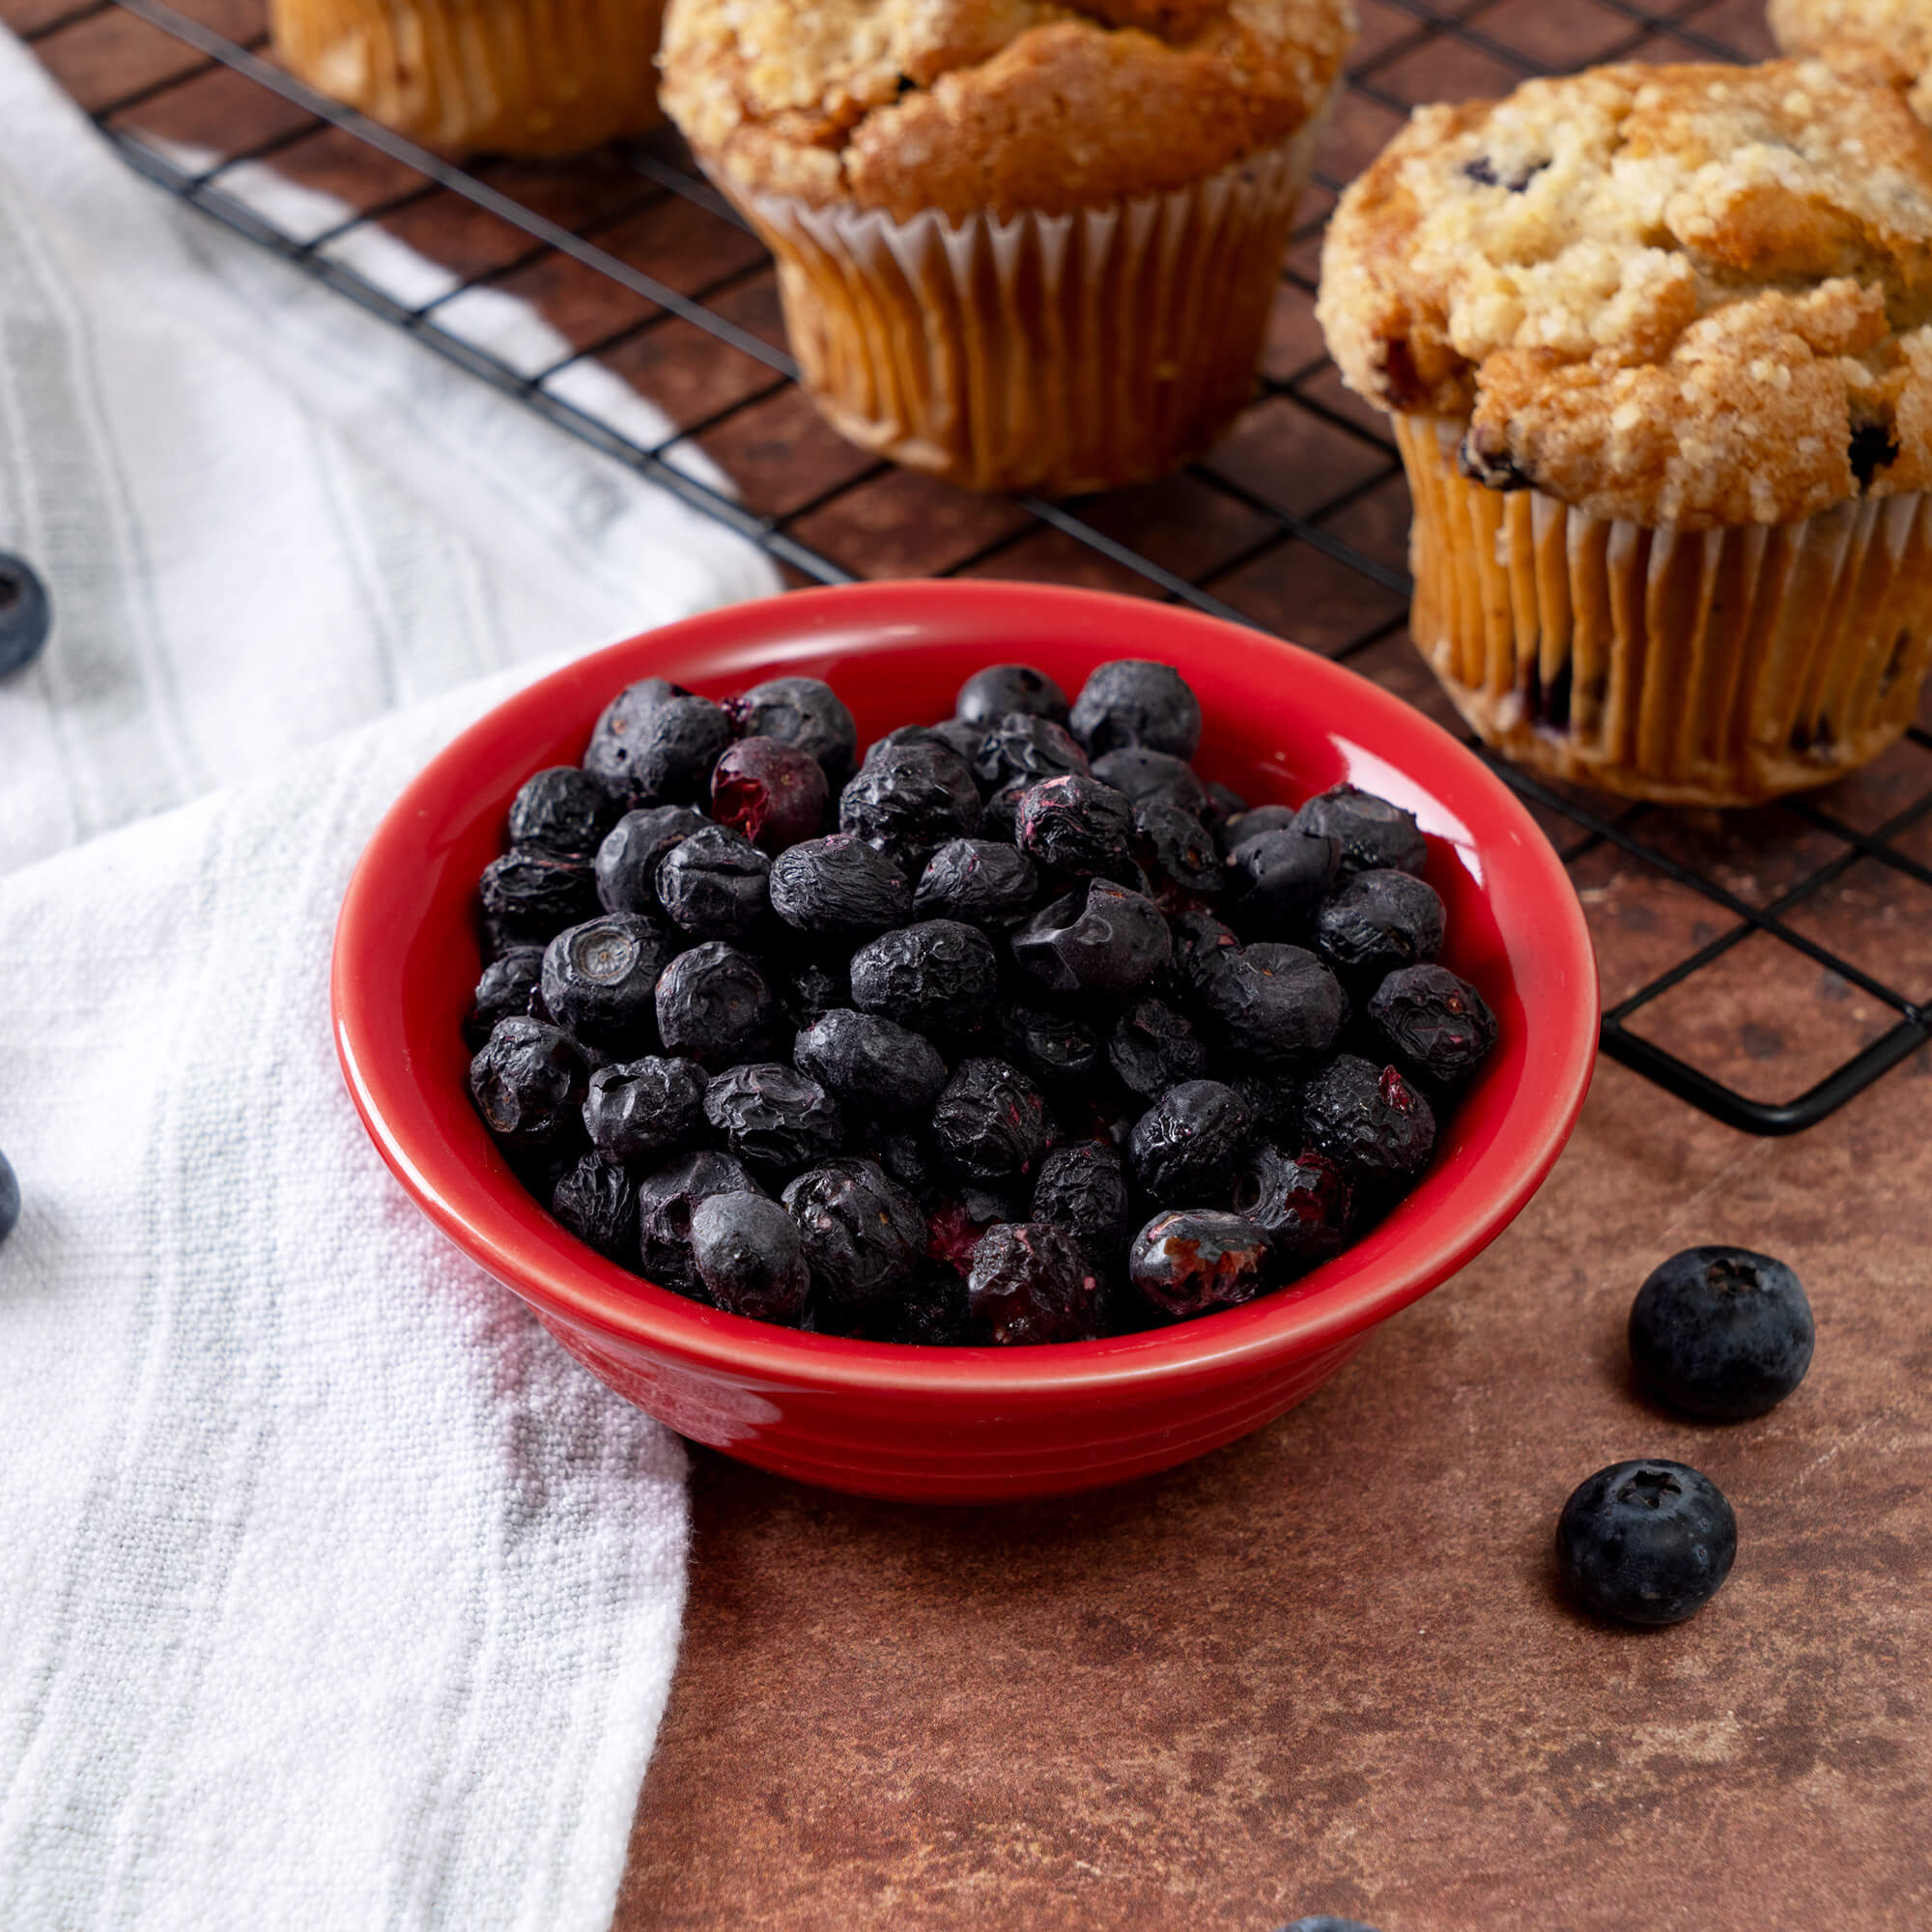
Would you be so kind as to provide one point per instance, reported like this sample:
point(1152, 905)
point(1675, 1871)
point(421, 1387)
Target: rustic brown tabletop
point(1327, 1669)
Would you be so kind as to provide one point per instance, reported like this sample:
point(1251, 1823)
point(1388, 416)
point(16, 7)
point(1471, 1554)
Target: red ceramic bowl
point(969, 1425)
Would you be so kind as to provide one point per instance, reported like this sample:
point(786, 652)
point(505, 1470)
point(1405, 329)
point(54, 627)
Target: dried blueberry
point(529, 897)
point(634, 848)
point(714, 885)
point(999, 689)
point(1055, 1049)
point(1224, 803)
point(1325, 1922)
point(800, 711)
point(1647, 1542)
point(1377, 921)
point(1276, 1005)
point(1141, 774)
point(863, 1237)
point(1370, 1122)
point(1302, 1206)
point(529, 1081)
point(775, 794)
point(597, 1201)
point(870, 1064)
point(1190, 1260)
point(1153, 1047)
point(9, 1198)
point(636, 1110)
point(26, 613)
point(940, 977)
point(747, 1253)
point(1032, 1283)
point(503, 992)
point(1077, 825)
point(1250, 824)
point(1370, 833)
point(932, 1310)
point(1019, 749)
point(1183, 1146)
point(600, 979)
point(838, 888)
point(1200, 942)
point(667, 1199)
point(667, 758)
point(808, 988)
point(1274, 1102)
point(1279, 879)
point(1437, 1028)
point(978, 880)
point(1720, 1334)
point(1133, 701)
point(990, 1122)
point(1001, 817)
point(564, 811)
point(608, 756)
point(1099, 939)
point(774, 1118)
point(714, 1005)
point(913, 798)
point(1083, 1188)
point(1178, 847)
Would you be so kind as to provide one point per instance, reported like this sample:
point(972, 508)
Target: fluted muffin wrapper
point(1719, 667)
point(512, 77)
point(1057, 353)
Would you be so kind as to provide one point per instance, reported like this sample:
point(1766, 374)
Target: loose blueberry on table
point(1016, 1031)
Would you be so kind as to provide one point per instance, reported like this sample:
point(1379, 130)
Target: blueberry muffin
point(506, 77)
point(1019, 244)
point(1655, 344)
point(1887, 42)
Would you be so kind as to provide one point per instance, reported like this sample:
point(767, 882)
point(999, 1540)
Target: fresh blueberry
point(1178, 847)
point(1030, 1282)
point(863, 1236)
point(9, 1198)
point(620, 726)
point(1302, 1206)
point(564, 811)
point(1190, 1260)
point(1371, 834)
point(530, 896)
point(1242, 826)
point(838, 888)
point(1183, 1146)
point(914, 798)
point(714, 1005)
point(997, 689)
point(1275, 1006)
point(1377, 921)
point(667, 758)
point(941, 977)
point(1083, 1188)
point(26, 613)
point(990, 1123)
point(804, 712)
point(1325, 1922)
point(1437, 1028)
point(748, 1255)
point(1057, 1049)
point(773, 793)
point(639, 1110)
point(1279, 879)
point(774, 1118)
point(597, 1201)
point(1022, 750)
point(600, 979)
point(633, 850)
point(1132, 701)
point(978, 880)
point(1370, 1122)
point(1099, 939)
point(870, 1064)
point(1153, 1047)
point(529, 1083)
point(667, 1201)
point(1647, 1542)
point(1720, 1334)
point(503, 992)
point(714, 885)
point(1075, 825)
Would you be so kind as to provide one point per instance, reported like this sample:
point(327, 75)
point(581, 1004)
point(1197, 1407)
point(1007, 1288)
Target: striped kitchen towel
point(331, 1593)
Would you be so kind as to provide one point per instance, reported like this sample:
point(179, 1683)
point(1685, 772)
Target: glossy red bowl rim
point(1317, 1313)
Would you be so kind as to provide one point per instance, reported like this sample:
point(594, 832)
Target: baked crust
point(1696, 295)
point(1886, 43)
point(992, 105)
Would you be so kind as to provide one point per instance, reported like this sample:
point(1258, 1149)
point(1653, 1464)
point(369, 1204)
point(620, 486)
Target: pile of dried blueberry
point(1017, 1031)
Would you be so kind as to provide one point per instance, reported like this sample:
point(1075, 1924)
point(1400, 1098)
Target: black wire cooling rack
point(1786, 947)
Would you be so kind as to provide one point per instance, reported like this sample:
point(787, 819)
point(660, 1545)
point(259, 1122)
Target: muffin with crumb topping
point(1020, 245)
point(1657, 345)
point(1887, 42)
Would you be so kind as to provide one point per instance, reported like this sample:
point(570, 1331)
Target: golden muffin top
point(1887, 43)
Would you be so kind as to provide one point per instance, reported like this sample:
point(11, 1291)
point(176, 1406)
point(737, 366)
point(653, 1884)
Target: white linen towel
point(331, 1593)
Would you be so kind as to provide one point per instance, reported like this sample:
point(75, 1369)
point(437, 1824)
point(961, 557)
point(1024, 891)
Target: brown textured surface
point(1323, 1669)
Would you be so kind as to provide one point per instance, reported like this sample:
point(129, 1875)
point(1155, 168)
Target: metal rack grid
point(1296, 523)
